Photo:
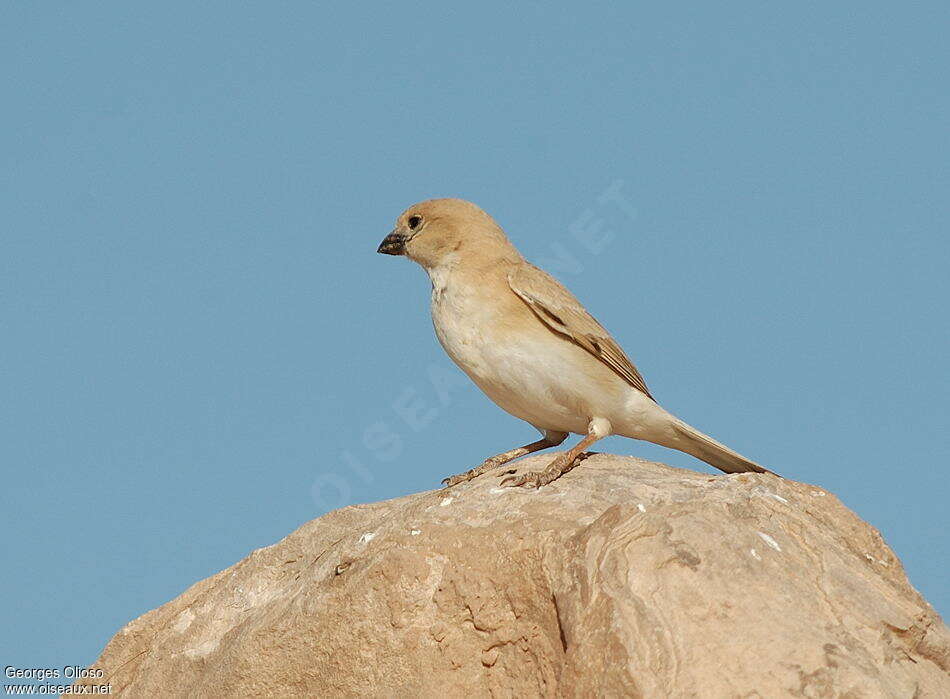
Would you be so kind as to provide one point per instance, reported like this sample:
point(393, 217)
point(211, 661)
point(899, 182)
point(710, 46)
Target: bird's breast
point(466, 328)
point(515, 360)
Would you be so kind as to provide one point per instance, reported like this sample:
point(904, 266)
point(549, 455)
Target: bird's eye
point(414, 222)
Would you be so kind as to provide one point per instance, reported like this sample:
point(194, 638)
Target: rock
point(623, 578)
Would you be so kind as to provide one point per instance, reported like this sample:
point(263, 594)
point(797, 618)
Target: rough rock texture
point(623, 578)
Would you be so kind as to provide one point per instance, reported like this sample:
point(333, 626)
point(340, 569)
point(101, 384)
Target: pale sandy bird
point(531, 346)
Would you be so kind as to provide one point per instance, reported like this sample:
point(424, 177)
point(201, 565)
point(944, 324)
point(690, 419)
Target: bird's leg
point(550, 439)
point(564, 462)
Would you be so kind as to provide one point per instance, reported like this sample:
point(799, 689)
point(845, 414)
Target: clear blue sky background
point(201, 349)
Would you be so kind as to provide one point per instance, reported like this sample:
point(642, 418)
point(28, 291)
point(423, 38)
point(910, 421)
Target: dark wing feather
point(560, 311)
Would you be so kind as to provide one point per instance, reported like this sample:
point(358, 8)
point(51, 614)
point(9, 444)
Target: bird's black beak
point(393, 244)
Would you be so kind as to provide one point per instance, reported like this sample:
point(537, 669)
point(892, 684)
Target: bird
point(530, 345)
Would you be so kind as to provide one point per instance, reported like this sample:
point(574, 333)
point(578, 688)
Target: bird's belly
point(530, 373)
point(531, 387)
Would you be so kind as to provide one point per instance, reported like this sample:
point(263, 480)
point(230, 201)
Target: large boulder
point(622, 578)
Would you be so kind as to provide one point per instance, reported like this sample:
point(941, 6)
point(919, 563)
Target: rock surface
point(623, 578)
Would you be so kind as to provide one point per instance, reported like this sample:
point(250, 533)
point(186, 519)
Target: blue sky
point(201, 349)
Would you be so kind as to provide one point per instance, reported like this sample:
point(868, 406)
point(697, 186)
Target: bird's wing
point(561, 312)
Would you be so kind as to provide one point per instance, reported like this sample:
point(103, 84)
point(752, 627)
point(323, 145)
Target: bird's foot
point(535, 479)
point(486, 465)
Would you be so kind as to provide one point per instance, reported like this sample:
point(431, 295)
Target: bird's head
point(434, 231)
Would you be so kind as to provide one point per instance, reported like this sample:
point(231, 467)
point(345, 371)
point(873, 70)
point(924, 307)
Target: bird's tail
point(702, 446)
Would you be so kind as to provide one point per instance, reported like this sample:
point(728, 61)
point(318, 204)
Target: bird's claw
point(512, 481)
point(536, 479)
point(530, 480)
point(486, 465)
